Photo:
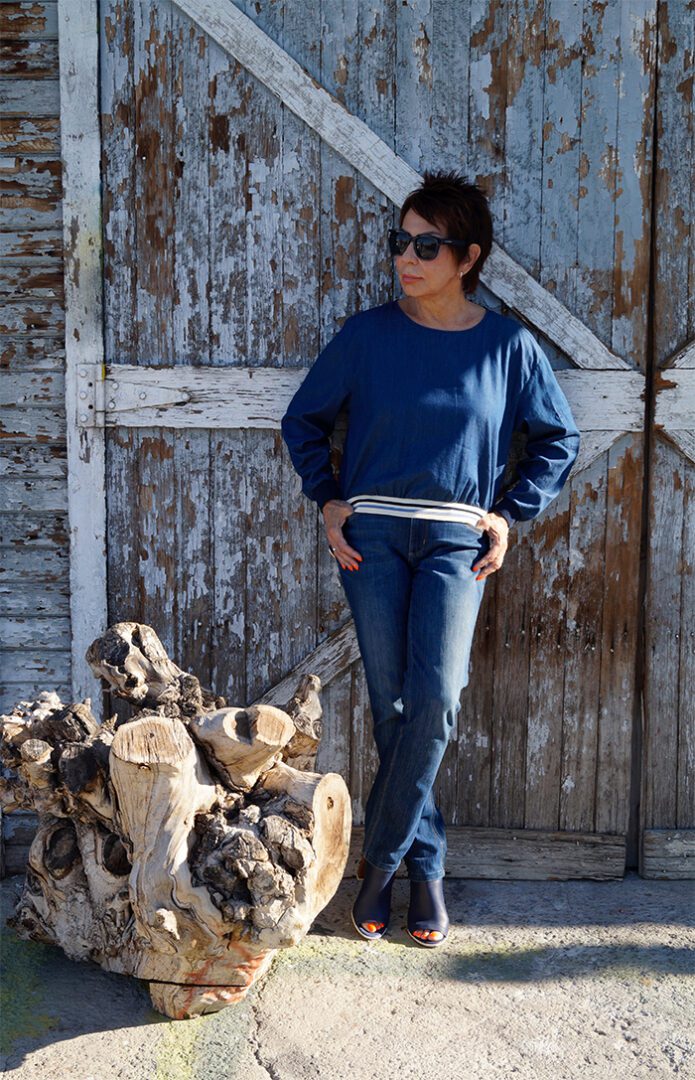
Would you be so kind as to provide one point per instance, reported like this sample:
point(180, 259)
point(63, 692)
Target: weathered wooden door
point(244, 211)
point(667, 750)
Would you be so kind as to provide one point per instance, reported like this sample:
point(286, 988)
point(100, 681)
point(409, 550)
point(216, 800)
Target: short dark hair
point(448, 201)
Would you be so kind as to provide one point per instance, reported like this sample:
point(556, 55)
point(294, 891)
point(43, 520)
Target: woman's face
point(424, 278)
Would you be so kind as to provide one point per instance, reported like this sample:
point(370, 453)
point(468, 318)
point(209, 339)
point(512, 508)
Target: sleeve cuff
point(505, 513)
point(327, 490)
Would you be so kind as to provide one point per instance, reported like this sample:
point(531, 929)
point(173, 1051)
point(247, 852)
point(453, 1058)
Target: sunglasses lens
point(398, 241)
point(427, 247)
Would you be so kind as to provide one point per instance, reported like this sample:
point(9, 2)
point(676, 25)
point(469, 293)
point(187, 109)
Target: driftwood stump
point(182, 846)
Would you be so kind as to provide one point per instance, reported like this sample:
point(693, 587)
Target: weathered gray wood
point(31, 176)
point(229, 127)
point(263, 200)
point(263, 113)
point(521, 854)
point(662, 641)
point(674, 409)
point(19, 353)
point(42, 462)
point(683, 441)
point(548, 654)
point(46, 667)
point(666, 788)
point(39, 97)
point(355, 141)
point(22, 422)
point(618, 641)
point(34, 316)
point(28, 19)
point(309, 600)
point(30, 134)
point(582, 657)
point(330, 658)
point(36, 598)
point(38, 278)
point(31, 247)
point(49, 564)
point(683, 358)
point(32, 495)
point(685, 817)
point(118, 106)
point(668, 854)
point(81, 157)
point(32, 388)
point(42, 529)
point(28, 59)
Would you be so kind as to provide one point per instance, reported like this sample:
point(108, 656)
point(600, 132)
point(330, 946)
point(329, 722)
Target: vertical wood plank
point(263, 193)
point(662, 632)
point(339, 296)
point(548, 592)
point(191, 341)
point(685, 800)
point(620, 642)
point(582, 641)
point(301, 286)
point(667, 795)
point(117, 98)
point(81, 157)
point(229, 93)
point(505, 705)
point(155, 172)
point(633, 194)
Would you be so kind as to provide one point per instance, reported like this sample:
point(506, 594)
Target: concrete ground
point(537, 979)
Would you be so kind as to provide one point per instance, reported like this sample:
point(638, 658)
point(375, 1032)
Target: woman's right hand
point(335, 513)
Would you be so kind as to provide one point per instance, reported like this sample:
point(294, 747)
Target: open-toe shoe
point(427, 911)
point(373, 903)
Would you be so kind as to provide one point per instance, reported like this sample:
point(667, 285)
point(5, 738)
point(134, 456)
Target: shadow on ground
point(536, 936)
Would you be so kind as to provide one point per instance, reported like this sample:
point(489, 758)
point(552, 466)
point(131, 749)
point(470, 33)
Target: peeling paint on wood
point(245, 201)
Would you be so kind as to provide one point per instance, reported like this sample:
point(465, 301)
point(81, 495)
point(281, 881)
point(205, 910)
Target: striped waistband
point(434, 509)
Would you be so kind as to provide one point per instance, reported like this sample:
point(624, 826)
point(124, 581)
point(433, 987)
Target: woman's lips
point(409, 277)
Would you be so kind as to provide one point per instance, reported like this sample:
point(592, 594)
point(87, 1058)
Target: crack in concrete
point(256, 1044)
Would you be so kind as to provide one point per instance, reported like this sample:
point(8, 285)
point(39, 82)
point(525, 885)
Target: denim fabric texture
point(415, 602)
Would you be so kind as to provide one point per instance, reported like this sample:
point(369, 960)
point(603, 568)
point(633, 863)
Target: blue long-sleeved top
point(431, 416)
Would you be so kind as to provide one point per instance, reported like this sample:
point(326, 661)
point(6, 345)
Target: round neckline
point(437, 329)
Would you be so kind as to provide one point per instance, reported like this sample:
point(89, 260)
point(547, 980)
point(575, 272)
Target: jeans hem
point(386, 869)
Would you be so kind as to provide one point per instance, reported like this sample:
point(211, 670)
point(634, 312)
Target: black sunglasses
point(426, 245)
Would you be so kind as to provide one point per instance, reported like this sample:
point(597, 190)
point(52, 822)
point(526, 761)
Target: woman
point(435, 385)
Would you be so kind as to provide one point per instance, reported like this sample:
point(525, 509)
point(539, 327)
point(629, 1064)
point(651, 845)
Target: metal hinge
point(90, 395)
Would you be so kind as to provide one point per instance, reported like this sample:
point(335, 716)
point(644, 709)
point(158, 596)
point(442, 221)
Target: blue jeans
point(415, 602)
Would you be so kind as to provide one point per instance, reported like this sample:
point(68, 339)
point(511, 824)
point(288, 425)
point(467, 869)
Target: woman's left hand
point(497, 528)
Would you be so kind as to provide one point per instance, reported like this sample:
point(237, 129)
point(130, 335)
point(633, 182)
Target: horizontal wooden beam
point(185, 396)
point(668, 854)
point(674, 408)
point(521, 854)
point(355, 141)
